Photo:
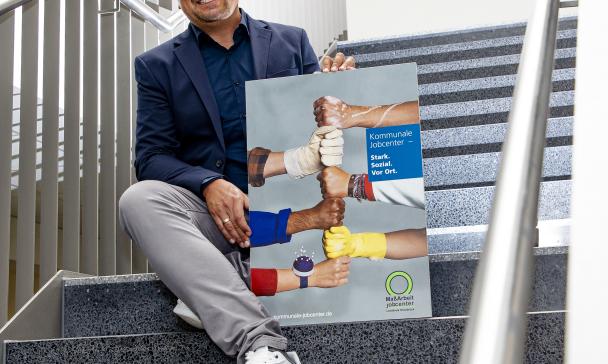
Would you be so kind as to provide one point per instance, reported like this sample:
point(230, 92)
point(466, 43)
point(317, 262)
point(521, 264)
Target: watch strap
point(303, 282)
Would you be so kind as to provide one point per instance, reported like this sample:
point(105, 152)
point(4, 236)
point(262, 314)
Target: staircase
point(466, 82)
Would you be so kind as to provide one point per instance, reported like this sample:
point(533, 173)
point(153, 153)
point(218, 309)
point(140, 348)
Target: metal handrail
point(147, 13)
point(496, 330)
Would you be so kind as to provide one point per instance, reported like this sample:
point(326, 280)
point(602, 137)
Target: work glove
point(338, 241)
point(325, 148)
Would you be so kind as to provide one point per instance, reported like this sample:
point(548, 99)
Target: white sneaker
point(186, 314)
point(265, 355)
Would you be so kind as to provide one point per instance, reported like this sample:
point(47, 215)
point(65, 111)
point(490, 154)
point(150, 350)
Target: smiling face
point(208, 11)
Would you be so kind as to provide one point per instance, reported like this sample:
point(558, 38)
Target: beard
point(222, 11)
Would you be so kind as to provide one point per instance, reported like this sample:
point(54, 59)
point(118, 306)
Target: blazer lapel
point(260, 46)
point(189, 55)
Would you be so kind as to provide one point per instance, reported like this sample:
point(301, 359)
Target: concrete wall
point(323, 20)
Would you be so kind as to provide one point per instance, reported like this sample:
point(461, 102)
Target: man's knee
point(138, 197)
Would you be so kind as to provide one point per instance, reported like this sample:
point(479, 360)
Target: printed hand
point(338, 241)
point(328, 213)
point(334, 182)
point(330, 273)
point(325, 148)
point(331, 111)
point(227, 205)
point(338, 63)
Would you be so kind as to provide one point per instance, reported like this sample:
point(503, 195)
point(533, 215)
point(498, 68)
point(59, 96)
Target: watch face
point(303, 266)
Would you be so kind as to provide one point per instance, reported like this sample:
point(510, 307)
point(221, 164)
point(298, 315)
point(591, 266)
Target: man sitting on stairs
point(188, 214)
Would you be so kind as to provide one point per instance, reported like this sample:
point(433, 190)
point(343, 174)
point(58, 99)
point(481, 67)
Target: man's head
point(208, 11)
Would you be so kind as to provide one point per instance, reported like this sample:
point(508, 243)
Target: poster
point(336, 135)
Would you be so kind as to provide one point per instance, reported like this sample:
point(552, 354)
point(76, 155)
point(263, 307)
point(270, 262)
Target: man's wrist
point(207, 182)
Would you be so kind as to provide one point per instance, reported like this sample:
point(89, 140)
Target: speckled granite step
point(485, 138)
point(484, 88)
point(415, 341)
point(489, 111)
point(141, 304)
point(474, 170)
point(471, 206)
point(398, 42)
point(459, 51)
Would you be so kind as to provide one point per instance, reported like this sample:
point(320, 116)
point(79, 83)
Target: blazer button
point(219, 163)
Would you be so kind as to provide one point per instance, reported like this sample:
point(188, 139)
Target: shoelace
point(260, 357)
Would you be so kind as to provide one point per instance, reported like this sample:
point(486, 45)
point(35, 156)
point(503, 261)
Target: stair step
point(141, 304)
point(490, 111)
point(471, 206)
point(458, 51)
point(485, 88)
point(435, 340)
point(397, 42)
point(482, 138)
point(475, 170)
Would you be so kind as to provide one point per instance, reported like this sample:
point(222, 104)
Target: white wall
point(382, 18)
point(323, 20)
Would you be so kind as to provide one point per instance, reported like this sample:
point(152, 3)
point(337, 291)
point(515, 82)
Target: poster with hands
point(336, 194)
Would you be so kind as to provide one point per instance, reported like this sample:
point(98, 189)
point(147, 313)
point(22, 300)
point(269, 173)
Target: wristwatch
point(303, 267)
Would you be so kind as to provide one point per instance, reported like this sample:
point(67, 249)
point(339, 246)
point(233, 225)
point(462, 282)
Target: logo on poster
point(400, 291)
point(399, 286)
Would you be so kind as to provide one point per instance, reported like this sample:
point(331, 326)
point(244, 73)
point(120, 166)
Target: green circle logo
point(389, 284)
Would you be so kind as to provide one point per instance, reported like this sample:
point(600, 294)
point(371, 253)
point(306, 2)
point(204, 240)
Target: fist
point(334, 182)
point(331, 273)
point(328, 213)
point(331, 111)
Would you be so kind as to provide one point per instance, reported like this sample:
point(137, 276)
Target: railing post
point(496, 330)
point(49, 194)
point(7, 32)
point(71, 138)
point(90, 139)
point(26, 223)
point(107, 174)
point(123, 129)
point(139, 261)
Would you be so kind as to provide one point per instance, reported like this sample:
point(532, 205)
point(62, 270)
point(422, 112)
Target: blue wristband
point(303, 281)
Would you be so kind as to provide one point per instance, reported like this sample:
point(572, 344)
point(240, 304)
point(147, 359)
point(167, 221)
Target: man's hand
point(330, 273)
point(227, 205)
point(339, 63)
point(334, 182)
point(331, 111)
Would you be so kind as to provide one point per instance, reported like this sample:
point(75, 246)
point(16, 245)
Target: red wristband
point(369, 191)
point(264, 281)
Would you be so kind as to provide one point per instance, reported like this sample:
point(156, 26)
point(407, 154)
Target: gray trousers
point(174, 229)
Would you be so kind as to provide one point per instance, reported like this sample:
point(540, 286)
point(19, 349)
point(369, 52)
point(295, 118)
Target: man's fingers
point(327, 63)
point(220, 226)
point(338, 61)
point(234, 236)
point(245, 202)
point(349, 62)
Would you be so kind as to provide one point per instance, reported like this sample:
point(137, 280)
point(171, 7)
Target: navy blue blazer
point(179, 133)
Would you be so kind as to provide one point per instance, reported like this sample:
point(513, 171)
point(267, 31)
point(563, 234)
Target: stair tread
point(419, 340)
point(141, 303)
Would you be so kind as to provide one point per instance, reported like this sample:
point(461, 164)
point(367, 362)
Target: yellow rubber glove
point(338, 241)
